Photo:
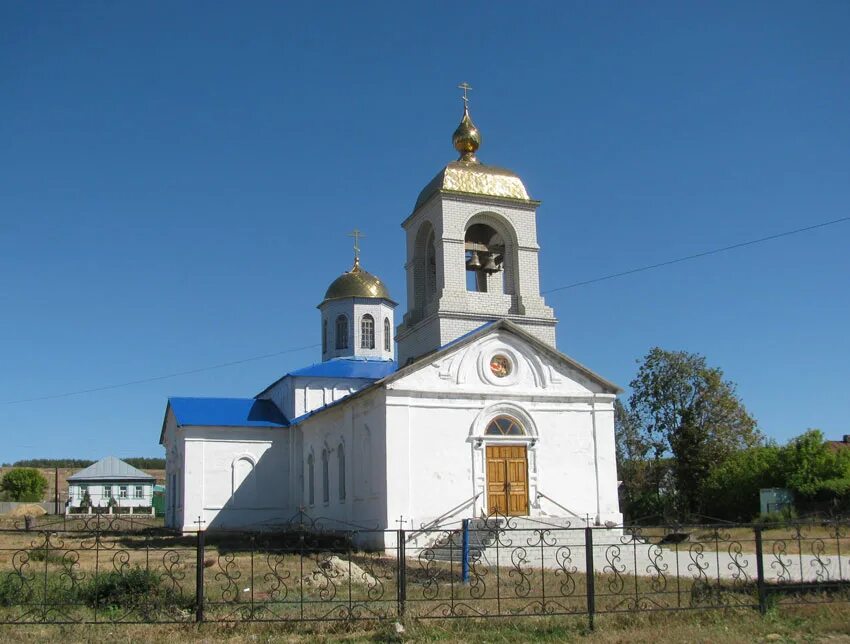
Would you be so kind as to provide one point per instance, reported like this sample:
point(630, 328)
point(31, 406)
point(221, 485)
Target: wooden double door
point(507, 480)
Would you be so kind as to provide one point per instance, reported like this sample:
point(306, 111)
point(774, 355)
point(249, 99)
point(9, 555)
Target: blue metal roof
point(349, 368)
point(227, 412)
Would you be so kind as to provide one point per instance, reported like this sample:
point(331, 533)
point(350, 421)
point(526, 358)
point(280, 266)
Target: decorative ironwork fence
point(99, 570)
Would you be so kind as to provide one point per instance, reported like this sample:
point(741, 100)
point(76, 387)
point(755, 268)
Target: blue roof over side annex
point(365, 368)
point(227, 412)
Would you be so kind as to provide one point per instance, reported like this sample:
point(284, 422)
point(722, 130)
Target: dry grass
point(810, 624)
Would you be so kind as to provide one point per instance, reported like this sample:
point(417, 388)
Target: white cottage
point(480, 414)
point(110, 481)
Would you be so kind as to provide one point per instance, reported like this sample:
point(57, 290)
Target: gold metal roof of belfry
point(467, 175)
point(476, 179)
point(357, 283)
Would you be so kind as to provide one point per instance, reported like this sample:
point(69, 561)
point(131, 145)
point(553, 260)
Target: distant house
point(111, 478)
point(844, 443)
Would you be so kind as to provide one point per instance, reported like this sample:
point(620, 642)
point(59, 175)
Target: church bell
point(490, 266)
point(473, 263)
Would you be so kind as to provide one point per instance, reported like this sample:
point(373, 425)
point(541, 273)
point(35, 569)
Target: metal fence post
point(762, 588)
point(590, 580)
point(402, 571)
point(464, 569)
point(199, 578)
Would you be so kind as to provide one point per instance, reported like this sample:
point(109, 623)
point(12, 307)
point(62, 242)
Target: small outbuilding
point(110, 479)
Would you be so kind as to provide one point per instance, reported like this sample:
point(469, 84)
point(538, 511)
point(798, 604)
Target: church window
point(342, 332)
point(387, 335)
point(367, 332)
point(504, 426)
point(311, 481)
point(324, 336)
point(340, 458)
point(326, 493)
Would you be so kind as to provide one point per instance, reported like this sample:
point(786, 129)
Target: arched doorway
point(507, 468)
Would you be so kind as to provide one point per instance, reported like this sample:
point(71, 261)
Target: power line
point(164, 377)
point(640, 269)
point(552, 290)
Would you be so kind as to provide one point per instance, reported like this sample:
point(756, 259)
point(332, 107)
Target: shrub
point(775, 518)
point(135, 589)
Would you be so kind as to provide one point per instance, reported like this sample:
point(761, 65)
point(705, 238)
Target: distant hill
point(142, 462)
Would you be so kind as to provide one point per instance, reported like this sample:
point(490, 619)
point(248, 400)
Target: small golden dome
point(466, 138)
point(357, 283)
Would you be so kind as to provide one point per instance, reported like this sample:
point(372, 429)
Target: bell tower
point(471, 253)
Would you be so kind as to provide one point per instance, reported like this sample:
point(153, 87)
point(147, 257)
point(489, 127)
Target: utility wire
point(551, 290)
point(166, 376)
point(695, 256)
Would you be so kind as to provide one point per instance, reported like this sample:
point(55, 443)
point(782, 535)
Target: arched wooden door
point(507, 480)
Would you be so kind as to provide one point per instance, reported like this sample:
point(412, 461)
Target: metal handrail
point(437, 523)
point(564, 508)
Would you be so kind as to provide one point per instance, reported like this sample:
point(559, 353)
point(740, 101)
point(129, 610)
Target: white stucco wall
point(358, 428)
point(436, 418)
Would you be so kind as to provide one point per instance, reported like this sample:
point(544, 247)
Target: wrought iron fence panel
point(807, 563)
point(297, 576)
point(512, 570)
point(98, 570)
point(90, 576)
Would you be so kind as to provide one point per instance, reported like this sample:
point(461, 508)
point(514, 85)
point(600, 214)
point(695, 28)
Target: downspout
point(595, 458)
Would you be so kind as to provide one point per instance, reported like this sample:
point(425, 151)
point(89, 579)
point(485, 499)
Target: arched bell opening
point(487, 255)
point(424, 269)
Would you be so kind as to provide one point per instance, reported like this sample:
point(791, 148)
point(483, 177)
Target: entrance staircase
point(499, 541)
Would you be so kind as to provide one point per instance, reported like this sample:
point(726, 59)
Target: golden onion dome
point(468, 176)
point(466, 137)
point(357, 283)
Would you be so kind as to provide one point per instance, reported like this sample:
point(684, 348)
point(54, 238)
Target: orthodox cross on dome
point(465, 87)
point(357, 236)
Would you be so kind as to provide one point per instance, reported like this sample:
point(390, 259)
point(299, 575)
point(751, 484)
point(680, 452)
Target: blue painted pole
point(464, 571)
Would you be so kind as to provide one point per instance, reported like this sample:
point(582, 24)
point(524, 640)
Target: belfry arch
point(490, 254)
point(424, 269)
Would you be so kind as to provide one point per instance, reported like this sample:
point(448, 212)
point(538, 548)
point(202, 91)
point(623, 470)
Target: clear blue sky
point(177, 181)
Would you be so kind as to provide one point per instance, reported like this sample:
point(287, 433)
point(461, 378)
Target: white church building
point(467, 410)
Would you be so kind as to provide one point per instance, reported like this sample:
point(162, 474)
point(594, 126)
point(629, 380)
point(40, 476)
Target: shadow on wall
point(249, 492)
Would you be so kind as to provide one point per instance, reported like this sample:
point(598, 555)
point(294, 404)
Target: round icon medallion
point(500, 366)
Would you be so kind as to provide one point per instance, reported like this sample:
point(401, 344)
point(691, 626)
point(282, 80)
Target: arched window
point(387, 335)
point(340, 461)
point(326, 493)
point(342, 332)
point(311, 480)
point(504, 426)
point(324, 336)
point(367, 332)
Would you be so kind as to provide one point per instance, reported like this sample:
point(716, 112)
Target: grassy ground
point(810, 624)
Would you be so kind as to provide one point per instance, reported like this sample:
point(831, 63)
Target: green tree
point(810, 464)
point(24, 484)
point(687, 411)
point(732, 489)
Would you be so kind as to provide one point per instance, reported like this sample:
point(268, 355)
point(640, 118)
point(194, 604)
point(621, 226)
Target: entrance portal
point(507, 480)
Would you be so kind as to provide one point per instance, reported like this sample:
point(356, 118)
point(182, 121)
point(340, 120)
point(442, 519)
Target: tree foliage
point(684, 413)
point(24, 484)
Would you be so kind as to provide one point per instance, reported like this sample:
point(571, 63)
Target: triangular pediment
point(500, 356)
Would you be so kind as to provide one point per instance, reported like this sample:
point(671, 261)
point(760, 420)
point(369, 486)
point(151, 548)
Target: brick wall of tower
point(457, 311)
